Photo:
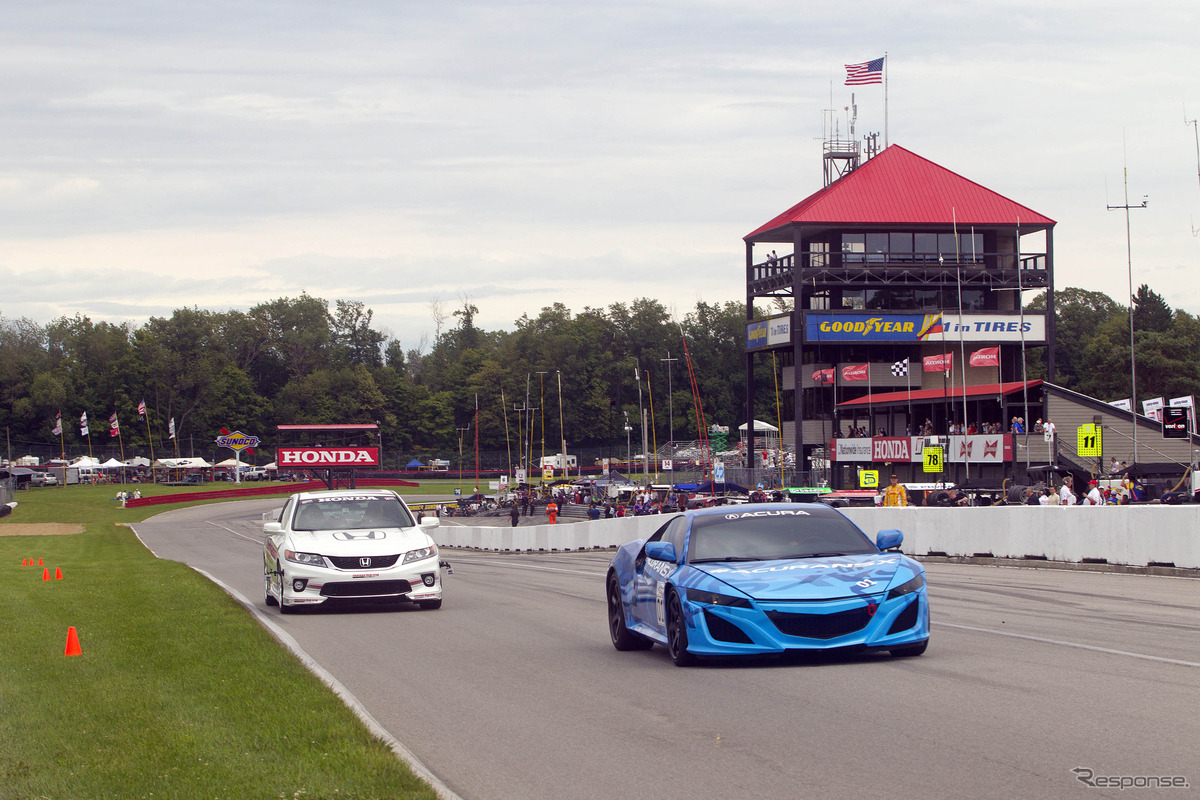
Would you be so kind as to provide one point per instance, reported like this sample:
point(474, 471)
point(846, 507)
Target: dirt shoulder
point(40, 528)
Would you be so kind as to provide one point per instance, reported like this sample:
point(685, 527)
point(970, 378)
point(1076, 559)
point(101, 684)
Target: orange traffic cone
point(58, 573)
point(73, 648)
point(39, 562)
point(24, 562)
point(46, 574)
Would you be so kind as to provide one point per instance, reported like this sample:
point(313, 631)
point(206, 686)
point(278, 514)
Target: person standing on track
point(514, 513)
point(895, 494)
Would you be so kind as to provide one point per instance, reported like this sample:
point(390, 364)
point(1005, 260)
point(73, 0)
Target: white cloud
point(220, 154)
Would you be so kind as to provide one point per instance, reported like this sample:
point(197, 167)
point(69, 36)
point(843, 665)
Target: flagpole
point(885, 99)
point(962, 345)
point(1024, 377)
point(150, 438)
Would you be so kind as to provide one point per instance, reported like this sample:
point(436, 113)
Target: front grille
point(725, 631)
point(907, 618)
point(365, 588)
point(355, 562)
point(821, 626)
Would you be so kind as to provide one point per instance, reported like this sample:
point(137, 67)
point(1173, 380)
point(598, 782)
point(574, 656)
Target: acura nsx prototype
point(766, 578)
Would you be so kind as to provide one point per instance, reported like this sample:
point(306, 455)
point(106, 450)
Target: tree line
point(302, 360)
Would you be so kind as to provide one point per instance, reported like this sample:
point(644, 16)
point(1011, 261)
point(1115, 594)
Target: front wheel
point(622, 638)
point(271, 601)
point(677, 640)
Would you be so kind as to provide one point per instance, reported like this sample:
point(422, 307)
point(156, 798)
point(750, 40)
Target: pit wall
point(1150, 535)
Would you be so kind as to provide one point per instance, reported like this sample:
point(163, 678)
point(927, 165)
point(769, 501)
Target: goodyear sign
point(237, 441)
point(772, 332)
point(862, 326)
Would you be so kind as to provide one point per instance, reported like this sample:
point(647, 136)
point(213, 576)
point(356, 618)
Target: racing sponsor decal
point(790, 567)
point(664, 568)
point(660, 607)
point(365, 575)
point(780, 513)
point(891, 448)
point(347, 498)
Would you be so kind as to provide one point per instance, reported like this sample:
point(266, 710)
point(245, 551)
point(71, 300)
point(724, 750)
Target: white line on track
point(1077, 645)
point(235, 533)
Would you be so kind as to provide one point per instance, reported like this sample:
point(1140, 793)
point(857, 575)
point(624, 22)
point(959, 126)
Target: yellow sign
point(1089, 441)
point(934, 459)
point(547, 473)
point(868, 478)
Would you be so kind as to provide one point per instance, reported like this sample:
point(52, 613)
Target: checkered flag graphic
point(900, 368)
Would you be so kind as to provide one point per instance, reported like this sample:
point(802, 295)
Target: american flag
point(57, 424)
point(83, 426)
point(142, 408)
point(171, 428)
point(864, 73)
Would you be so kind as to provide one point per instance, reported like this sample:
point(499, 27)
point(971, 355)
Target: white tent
point(229, 463)
point(181, 463)
point(112, 463)
point(138, 461)
point(86, 462)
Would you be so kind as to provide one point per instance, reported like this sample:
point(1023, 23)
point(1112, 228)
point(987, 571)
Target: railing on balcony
point(858, 269)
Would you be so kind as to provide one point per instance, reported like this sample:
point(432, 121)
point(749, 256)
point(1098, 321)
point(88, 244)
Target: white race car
point(350, 545)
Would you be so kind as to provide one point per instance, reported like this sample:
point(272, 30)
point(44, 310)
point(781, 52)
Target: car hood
point(381, 541)
point(810, 578)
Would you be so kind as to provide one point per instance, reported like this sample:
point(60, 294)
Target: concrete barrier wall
point(1133, 535)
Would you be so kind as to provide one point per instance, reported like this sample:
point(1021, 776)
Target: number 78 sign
point(1089, 440)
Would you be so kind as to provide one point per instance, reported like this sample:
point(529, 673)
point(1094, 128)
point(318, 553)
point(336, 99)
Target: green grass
point(179, 692)
point(95, 504)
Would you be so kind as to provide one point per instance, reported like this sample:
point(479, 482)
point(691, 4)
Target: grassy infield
point(179, 693)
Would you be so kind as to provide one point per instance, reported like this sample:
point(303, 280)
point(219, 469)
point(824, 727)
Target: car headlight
point(714, 599)
point(908, 587)
point(420, 555)
point(307, 559)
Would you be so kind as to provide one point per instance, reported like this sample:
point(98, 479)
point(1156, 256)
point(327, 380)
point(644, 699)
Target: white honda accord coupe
point(350, 545)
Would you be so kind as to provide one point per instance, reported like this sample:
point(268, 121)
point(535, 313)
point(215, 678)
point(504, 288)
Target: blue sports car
point(766, 578)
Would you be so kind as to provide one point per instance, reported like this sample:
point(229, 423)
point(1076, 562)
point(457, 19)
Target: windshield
point(351, 513)
point(771, 535)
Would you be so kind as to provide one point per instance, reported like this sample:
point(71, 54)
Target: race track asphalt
point(512, 690)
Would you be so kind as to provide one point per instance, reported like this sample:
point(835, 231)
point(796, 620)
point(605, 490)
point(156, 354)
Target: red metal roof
point(918, 395)
point(899, 187)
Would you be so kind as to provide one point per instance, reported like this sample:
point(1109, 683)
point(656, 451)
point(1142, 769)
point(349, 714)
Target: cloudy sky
point(513, 154)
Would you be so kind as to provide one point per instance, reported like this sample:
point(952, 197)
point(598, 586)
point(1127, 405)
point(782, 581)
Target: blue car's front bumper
point(771, 627)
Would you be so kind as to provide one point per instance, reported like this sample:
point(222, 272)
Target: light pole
point(562, 433)
point(461, 431)
point(1129, 265)
point(628, 451)
point(542, 407)
point(379, 433)
point(671, 403)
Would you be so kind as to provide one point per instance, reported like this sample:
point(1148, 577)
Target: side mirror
point(430, 522)
point(271, 528)
point(888, 539)
point(661, 551)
